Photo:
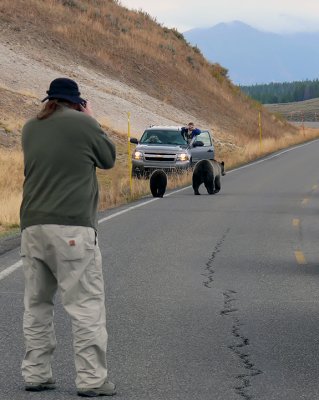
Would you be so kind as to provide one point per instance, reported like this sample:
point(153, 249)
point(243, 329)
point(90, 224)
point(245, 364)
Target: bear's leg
point(217, 184)
point(154, 192)
point(196, 185)
point(196, 191)
point(209, 185)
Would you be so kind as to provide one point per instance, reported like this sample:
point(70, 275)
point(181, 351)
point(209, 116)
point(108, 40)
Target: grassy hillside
point(132, 47)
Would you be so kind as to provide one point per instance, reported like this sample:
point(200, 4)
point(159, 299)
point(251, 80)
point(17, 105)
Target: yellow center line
point(305, 201)
point(300, 257)
point(296, 222)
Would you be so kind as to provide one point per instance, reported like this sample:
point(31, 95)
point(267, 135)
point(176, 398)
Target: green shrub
point(75, 4)
point(179, 35)
point(197, 50)
point(191, 60)
point(219, 72)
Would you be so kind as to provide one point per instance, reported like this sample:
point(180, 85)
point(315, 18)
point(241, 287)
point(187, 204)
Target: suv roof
point(163, 128)
point(168, 128)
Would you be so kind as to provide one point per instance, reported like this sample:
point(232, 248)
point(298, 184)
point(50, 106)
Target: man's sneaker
point(39, 386)
point(107, 389)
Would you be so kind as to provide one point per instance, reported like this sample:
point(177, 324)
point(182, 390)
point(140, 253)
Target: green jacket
point(61, 154)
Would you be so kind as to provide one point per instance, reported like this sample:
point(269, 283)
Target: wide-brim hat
point(64, 89)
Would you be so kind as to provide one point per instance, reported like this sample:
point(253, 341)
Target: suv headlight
point(138, 155)
point(182, 157)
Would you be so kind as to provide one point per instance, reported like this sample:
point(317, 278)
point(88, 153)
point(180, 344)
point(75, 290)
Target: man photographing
point(62, 148)
point(190, 132)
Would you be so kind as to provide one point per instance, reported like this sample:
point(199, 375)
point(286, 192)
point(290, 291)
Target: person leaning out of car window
point(190, 132)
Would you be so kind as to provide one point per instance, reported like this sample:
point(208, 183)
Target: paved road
point(208, 297)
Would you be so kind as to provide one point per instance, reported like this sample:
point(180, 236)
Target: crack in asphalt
point(241, 342)
point(209, 265)
point(240, 347)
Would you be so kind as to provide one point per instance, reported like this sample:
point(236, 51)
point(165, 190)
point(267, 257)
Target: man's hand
point(88, 109)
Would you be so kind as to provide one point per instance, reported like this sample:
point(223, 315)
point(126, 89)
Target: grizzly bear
point(208, 172)
point(158, 183)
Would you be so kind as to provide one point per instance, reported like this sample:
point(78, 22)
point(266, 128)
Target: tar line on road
point(12, 268)
point(240, 346)
point(240, 343)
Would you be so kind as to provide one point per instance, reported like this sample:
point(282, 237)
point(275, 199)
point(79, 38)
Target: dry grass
point(254, 149)
point(114, 184)
point(11, 180)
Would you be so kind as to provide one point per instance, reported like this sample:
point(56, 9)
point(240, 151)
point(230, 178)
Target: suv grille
point(159, 157)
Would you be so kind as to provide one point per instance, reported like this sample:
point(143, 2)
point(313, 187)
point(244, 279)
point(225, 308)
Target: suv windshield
point(163, 137)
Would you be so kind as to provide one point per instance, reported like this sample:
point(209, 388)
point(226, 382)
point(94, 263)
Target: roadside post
point(260, 132)
point(303, 122)
point(129, 161)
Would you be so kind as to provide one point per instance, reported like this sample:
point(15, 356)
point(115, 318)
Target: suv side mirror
point(198, 143)
point(134, 140)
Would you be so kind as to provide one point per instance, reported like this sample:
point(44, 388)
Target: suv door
point(205, 152)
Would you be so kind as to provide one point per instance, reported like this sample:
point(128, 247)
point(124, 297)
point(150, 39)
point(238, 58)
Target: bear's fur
point(208, 172)
point(158, 183)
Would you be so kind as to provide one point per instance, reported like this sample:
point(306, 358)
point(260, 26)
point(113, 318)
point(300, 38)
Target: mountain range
point(253, 56)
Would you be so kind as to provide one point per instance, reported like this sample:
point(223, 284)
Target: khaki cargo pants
point(68, 258)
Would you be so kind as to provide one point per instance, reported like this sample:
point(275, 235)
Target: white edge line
point(100, 221)
point(9, 270)
point(125, 210)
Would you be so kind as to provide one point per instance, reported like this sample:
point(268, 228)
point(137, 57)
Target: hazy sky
point(269, 15)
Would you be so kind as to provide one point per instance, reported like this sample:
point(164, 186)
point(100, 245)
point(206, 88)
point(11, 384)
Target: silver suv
point(164, 147)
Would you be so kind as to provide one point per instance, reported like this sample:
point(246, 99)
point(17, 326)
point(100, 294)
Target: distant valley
point(253, 56)
point(301, 111)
